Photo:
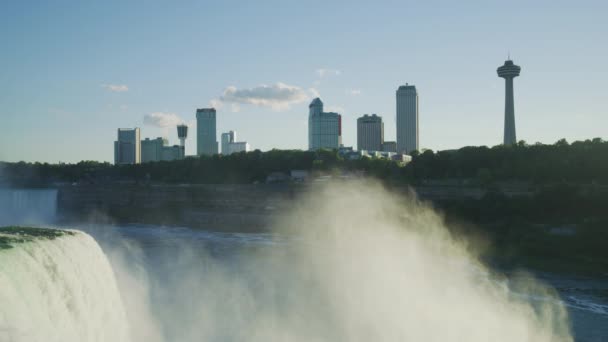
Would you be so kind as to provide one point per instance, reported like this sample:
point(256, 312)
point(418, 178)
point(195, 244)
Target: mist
point(351, 262)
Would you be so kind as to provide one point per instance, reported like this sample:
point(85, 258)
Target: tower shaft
point(509, 134)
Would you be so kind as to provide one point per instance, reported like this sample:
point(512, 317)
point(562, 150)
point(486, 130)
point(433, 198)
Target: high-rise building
point(127, 148)
point(206, 136)
point(389, 146)
point(227, 138)
point(158, 149)
point(152, 149)
point(509, 71)
point(407, 119)
point(370, 133)
point(324, 128)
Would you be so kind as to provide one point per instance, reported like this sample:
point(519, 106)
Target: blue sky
point(73, 72)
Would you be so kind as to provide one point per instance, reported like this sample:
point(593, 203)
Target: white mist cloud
point(278, 96)
point(354, 92)
point(117, 88)
point(349, 262)
point(162, 119)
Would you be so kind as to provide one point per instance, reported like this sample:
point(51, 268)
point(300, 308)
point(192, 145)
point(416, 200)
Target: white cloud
point(278, 96)
point(354, 92)
point(322, 72)
point(162, 119)
point(216, 103)
point(118, 88)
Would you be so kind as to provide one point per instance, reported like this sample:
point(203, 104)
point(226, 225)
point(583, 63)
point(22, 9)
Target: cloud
point(314, 92)
point(117, 88)
point(216, 103)
point(162, 119)
point(322, 72)
point(354, 92)
point(278, 96)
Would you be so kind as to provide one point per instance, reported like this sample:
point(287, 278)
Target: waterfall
point(28, 206)
point(60, 289)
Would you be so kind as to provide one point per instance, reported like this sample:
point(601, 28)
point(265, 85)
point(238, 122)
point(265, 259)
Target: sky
point(71, 73)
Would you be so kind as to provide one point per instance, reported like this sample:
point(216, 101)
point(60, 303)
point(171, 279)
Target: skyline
point(77, 73)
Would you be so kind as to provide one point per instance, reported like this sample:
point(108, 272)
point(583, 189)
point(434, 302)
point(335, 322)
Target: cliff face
point(235, 207)
point(224, 207)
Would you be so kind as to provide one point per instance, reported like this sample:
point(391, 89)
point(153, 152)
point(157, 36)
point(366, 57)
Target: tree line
point(562, 162)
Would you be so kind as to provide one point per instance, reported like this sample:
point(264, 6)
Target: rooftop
point(316, 102)
point(407, 86)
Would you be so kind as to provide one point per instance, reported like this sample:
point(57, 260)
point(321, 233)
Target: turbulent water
point(358, 265)
point(59, 290)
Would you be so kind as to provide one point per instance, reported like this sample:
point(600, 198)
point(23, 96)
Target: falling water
point(59, 290)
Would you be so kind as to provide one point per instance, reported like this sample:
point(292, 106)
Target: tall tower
point(370, 133)
point(206, 133)
point(324, 128)
point(509, 71)
point(314, 112)
point(227, 139)
point(407, 119)
point(127, 148)
point(182, 134)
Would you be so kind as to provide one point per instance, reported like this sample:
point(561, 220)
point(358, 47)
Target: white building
point(127, 149)
point(324, 128)
point(238, 146)
point(401, 158)
point(407, 119)
point(206, 134)
point(349, 153)
point(370, 133)
point(227, 138)
point(230, 145)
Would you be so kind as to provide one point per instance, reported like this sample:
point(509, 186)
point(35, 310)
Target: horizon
point(75, 74)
